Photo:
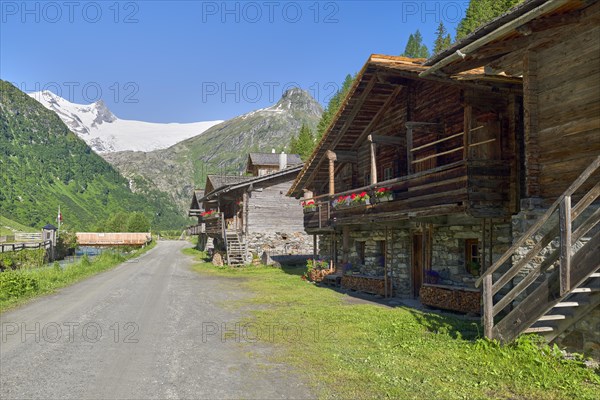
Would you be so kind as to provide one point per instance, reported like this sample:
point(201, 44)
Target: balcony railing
point(476, 187)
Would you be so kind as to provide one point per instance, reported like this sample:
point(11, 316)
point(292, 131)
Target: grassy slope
point(368, 351)
point(9, 227)
point(51, 278)
point(44, 165)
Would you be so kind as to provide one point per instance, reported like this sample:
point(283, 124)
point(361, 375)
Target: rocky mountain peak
point(103, 114)
point(296, 99)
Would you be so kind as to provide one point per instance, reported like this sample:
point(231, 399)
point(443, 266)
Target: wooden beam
point(356, 108)
point(388, 140)
point(409, 153)
point(468, 115)
point(565, 245)
point(373, 160)
point(411, 124)
point(345, 156)
point(530, 117)
point(367, 131)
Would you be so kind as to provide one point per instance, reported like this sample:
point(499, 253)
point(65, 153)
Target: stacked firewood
point(366, 284)
point(317, 275)
point(451, 299)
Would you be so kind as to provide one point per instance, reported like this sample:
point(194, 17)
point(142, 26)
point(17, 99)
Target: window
point(388, 174)
point(472, 256)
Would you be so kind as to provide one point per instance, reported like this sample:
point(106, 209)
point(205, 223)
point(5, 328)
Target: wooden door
point(417, 263)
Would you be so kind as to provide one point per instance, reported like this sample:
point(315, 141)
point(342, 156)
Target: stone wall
point(447, 252)
point(584, 336)
point(280, 243)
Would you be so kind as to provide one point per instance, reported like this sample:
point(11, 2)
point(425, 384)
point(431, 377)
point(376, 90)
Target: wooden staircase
point(559, 284)
point(236, 249)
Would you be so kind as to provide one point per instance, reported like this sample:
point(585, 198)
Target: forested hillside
point(43, 166)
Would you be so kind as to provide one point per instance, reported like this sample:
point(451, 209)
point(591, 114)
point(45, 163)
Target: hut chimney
point(282, 161)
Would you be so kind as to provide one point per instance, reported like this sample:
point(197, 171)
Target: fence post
point(565, 245)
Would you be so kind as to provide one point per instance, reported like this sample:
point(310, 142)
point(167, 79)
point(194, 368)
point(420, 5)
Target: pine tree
point(415, 47)
point(442, 39)
point(304, 143)
point(481, 11)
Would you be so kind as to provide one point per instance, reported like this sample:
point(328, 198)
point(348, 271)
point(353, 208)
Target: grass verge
point(19, 286)
point(368, 351)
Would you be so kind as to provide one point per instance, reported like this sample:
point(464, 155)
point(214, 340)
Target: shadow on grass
point(456, 326)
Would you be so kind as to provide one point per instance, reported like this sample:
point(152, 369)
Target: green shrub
point(16, 284)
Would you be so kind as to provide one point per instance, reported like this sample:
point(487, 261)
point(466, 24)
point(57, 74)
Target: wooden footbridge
point(113, 238)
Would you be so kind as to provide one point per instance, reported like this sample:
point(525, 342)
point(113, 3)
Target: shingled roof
point(214, 182)
point(272, 159)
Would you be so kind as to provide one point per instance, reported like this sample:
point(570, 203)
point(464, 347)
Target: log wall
point(568, 106)
point(270, 210)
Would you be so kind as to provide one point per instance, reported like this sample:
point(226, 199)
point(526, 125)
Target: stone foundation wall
point(280, 243)
point(448, 250)
point(584, 336)
point(448, 253)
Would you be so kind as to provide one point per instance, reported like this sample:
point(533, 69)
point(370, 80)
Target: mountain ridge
point(104, 132)
point(45, 165)
point(222, 148)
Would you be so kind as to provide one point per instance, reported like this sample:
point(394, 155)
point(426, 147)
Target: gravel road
point(149, 329)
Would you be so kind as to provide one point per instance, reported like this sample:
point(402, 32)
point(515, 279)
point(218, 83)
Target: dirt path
point(149, 329)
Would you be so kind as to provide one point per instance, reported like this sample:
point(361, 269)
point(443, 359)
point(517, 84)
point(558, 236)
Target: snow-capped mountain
point(106, 133)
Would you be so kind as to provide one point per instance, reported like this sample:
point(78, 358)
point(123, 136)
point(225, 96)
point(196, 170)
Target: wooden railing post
point(565, 245)
point(488, 307)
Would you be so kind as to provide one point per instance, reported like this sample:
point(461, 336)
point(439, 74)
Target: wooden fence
point(6, 247)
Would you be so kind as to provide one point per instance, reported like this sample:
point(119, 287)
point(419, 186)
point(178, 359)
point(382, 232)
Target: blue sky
point(185, 61)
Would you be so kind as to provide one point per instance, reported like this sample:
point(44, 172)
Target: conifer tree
point(415, 47)
point(304, 143)
point(442, 39)
point(481, 11)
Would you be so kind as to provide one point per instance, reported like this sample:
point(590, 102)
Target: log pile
point(373, 285)
point(454, 299)
point(317, 275)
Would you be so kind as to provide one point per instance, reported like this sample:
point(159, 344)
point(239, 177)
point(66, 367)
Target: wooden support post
point(565, 245)
point(385, 259)
point(315, 251)
point(331, 156)
point(487, 295)
point(345, 243)
point(468, 116)
point(409, 153)
point(245, 213)
point(373, 160)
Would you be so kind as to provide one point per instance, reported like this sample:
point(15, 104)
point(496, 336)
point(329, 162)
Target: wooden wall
point(270, 210)
point(565, 79)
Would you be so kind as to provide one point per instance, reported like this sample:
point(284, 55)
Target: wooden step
point(539, 329)
point(554, 317)
point(585, 290)
point(567, 304)
point(595, 275)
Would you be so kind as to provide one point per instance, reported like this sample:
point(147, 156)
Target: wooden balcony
point(214, 225)
point(478, 188)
